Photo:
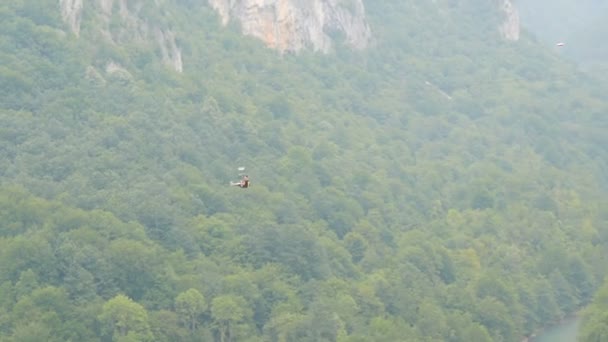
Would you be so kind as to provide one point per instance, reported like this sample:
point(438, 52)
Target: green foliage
point(443, 185)
point(595, 318)
point(189, 305)
point(124, 320)
point(228, 311)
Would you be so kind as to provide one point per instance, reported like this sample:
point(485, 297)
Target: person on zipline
point(243, 184)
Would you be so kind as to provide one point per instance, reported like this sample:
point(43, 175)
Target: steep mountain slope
point(289, 26)
point(445, 183)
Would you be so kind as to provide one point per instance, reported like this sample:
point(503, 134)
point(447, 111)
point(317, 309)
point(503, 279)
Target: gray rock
point(292, 25)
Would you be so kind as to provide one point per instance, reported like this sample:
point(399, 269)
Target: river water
point(565, 332)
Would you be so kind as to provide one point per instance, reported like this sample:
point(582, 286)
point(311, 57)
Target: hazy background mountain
point(581, 25)
point(445, 181)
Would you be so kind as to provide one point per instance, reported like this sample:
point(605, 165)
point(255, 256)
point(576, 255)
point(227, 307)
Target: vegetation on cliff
point(444, 185)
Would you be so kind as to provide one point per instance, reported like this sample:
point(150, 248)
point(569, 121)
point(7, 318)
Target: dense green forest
point(595, 318)
point(442, 185)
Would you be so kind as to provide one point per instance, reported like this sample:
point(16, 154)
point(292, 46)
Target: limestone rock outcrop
point(292, 25)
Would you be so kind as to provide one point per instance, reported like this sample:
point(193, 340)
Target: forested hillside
point(442, 185)
point(595, 318)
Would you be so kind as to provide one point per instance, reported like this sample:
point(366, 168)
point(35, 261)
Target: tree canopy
point(443, 185)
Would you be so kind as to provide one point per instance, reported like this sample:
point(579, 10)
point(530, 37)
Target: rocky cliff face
point(291, 25)
point(511, 26)
point(284, 25)
point(133, 27)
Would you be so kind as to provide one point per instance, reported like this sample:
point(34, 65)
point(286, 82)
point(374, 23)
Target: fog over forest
point(582, 25)
point(419, 170)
